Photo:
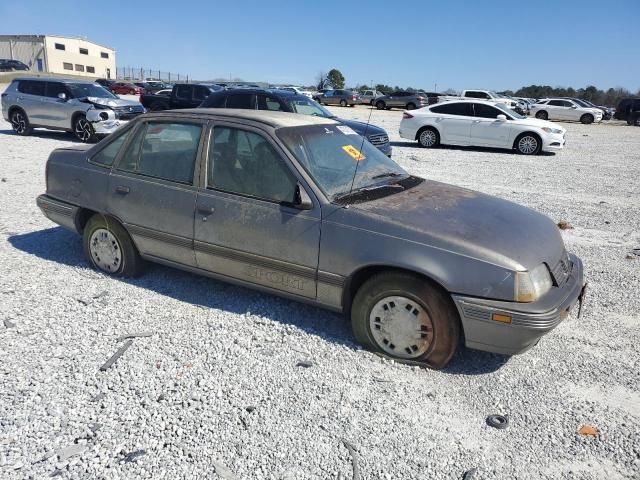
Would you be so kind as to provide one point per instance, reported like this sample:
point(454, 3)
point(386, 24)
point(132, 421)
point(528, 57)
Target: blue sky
point(455, 44)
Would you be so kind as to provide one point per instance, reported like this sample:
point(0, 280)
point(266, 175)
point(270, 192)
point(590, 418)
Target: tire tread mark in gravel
point(116, 356)
point(354, 457)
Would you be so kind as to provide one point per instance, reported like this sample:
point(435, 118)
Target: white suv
point(563, 109)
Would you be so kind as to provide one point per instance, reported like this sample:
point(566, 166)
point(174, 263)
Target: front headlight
point(532, 285)
point(552, 130)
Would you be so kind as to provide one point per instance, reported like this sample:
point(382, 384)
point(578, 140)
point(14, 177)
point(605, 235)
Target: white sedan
point(565, 109)
point(482, 124)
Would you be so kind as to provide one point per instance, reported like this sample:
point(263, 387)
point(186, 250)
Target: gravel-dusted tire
point(343, 103)
point(587, 118)
point(542, 115)
point(83, 130)
point(158, 106)
point(20, 123)
point(380, 105)
point(428, 137)
point(636, 120)
point(528, 143)
point(109, 248)
point(406, 317)
point(411, 106)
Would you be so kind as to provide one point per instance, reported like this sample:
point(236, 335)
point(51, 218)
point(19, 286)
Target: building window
point(84, 51)
point(79, 68)
point(104, 55)
point(67, 66)
point(91, 70)
point(60, 46)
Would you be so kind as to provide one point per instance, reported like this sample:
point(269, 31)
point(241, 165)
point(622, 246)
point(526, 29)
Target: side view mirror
point(501, 117)
point(574, 106)
point(302, 200)
point(62, 96)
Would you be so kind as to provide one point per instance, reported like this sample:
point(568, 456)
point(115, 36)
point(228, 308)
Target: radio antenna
point(364, 137)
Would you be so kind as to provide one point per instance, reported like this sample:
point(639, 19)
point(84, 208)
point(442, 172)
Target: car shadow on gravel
point(467, 149)
point(50, 134)
point(65, 247)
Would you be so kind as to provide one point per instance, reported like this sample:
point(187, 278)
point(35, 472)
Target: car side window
point(55, 88)
point(108, 154)
point(245, 163)
point(486, 111)
point(164, 150)
point(200, 93)
point(265, 102)
point(183, 91)
point(241, 100)
point(31, 87)
point(556, 103)
point(457, 108)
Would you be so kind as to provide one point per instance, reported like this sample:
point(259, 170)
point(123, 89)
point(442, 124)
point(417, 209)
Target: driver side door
point(246, 226)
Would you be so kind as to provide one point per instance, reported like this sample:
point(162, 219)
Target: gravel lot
point(216, 390)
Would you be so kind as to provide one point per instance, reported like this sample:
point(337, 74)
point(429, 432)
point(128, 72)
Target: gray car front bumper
point(528, 321)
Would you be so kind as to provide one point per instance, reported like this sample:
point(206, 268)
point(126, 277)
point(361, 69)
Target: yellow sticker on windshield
point(353, 152)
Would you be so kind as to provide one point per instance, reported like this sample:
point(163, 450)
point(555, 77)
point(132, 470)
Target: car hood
point(468, 223)
point(112, 102)
point(361, 127)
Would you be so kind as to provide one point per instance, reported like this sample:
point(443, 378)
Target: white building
point(62, 55)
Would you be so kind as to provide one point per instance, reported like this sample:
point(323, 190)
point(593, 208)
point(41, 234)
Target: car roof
point(56, 79)
point(272, 118)
point(464, 100)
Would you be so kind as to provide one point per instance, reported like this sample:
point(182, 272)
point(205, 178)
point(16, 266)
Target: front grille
point(128, 112)
point(379, 139)
point(562, 270)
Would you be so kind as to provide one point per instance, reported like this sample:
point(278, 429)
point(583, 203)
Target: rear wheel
point(636, 120)
point(406, 317)
point(20, 123)
point(343, 103)
point(158, 106)
point(542, 115)
point(528, 144)
point(411, 106)
point(380, 105)
point(83, 130)
point(587, 118)
point(428, 137)
point(108, 247)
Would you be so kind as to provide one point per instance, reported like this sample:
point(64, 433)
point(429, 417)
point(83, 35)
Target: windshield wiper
point(341, 196)
point(387, 175)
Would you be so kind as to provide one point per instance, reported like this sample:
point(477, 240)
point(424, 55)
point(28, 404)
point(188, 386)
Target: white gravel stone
point(182, 394)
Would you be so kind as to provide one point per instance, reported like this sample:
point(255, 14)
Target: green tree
point(335, 78)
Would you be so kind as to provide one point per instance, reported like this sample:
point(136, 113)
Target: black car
point(7, 65)
point(105, 83)
point(286, 101)
point(628, 109)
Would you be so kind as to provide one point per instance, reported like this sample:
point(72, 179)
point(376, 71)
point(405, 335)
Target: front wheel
point(636, 120)
point(343, 103)
point(20, 123)
point(428, 137)
point(108, 247)
point(83, 130)
point(380, 105)
point(542, 115)
point(411, 106)
point(528, 144)
point(406, 317)
point(587, 118)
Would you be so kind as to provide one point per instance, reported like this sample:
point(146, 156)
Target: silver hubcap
point(428, 138)
point(19, 123)
point(83, 129)
point(401, 327)
point(105, 250)
point(528, 144)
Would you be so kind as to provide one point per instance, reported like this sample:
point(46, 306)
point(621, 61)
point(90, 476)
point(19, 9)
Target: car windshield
point(509, 112)
point(306, 106)
point(83, 90)
point(331, 153)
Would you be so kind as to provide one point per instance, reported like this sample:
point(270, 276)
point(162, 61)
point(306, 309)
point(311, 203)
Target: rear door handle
point(206, 210)
point(122, 190)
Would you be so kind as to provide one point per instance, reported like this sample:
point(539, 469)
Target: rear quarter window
point(108, 154)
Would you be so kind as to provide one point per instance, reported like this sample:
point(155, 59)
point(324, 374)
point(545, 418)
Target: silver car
point(84, 108)
point(401, 99)
point(369, 97)
point(339, 97)
point(303, 207)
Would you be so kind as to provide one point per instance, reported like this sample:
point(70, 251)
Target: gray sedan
point(401, 99)
point(305, 208)
point(339, 97)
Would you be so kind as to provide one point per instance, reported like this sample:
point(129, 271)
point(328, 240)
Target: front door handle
point(205, 210)
point(122, 190)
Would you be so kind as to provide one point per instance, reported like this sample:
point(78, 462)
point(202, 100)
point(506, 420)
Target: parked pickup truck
point(183, 95)
point(487, 95)
point(303, 207)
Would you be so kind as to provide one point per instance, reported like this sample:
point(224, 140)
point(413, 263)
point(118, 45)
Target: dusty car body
point(273, 200)
point(84, 108)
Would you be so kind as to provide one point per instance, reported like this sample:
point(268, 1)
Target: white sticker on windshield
point(346, 130)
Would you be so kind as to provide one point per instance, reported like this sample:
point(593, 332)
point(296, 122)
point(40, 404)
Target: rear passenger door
point(30, 98)
point(453, 121)
point(151, 189)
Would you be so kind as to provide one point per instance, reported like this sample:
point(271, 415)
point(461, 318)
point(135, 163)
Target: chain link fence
point(137, 74)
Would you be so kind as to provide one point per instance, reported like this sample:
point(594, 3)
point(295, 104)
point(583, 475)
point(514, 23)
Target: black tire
point(542, 115)
point(636, 120)
point(20, 122)
point(587, 118)
point(528, 143)
point(158, 106)
point(83, 130)
point(411, 106)
point(440, 339)
point(129, 265)
point(428, 137)
point(371, 102)
point(343, 103)
point(380, 105)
